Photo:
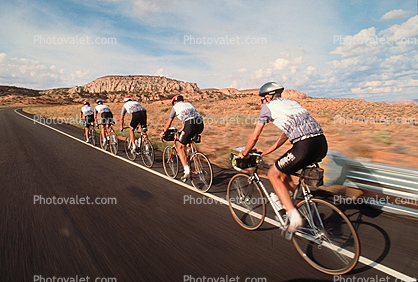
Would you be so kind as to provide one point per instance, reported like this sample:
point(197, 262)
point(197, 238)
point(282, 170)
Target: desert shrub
point(382, 137)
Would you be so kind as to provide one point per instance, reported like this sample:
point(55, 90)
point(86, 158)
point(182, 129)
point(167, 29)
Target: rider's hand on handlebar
point(162, 134)
point(241, 155)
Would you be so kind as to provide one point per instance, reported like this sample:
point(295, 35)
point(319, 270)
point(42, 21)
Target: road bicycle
point(143, 147)
point(326, 240)
point(111, 140)
point(201, 173)
point(92, 133)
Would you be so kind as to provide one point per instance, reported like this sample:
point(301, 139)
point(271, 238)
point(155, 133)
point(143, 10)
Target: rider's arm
point(282, 139)
point(253, 139)
point(167, 126)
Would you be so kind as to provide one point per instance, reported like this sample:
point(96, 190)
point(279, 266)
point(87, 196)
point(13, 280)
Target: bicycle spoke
point(201, 167)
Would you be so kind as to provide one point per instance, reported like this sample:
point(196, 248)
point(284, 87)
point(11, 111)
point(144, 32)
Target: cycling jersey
point(291, 118)
point(87, 110)
point(184, 111)
point(102, 109)
point(132, 107)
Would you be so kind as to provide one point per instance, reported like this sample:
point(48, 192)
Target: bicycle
point(92, 134)
point(110, 141)
point(143, 147)
point(327, 239)
point(201, 173)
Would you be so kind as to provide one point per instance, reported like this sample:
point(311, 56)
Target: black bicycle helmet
point(86, 103)
point(271, 88)
point(177, 98)
point(99, 101)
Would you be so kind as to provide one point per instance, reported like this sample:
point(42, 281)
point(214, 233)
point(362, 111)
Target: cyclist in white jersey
point(106, 116)
point(139, 116)
point(301, 129)
point(192, 125)
point(87, 113)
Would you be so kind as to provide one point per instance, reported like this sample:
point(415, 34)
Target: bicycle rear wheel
point(103, 142)
point(128, 149)
point(201, 172)
point(246, 202)
point(92, 134)
point(327, 240)
point(170, 161)
point(114, 144)
point(147, 152)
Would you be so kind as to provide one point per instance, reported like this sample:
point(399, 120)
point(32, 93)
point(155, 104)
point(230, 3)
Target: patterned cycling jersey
point(291, 118)
point(184, 111)
point(102, 109)
point(87, 110)
point(132, 107)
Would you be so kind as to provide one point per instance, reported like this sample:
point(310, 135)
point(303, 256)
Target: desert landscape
point(377, 132)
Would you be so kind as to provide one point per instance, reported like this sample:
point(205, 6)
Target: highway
point(71, 211)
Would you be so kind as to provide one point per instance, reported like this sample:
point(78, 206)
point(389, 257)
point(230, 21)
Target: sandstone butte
point(113, 88)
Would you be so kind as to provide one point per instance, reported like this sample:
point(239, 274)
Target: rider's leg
point(282, 184)
point(86, 133)
point(102, 131)
point(182, 153)
point(132, 135)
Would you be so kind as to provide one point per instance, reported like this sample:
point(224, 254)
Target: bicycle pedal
point(287, 235)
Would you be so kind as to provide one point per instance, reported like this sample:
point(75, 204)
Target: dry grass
point(379, 132)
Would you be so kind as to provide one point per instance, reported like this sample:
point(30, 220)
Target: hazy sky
point(337, 49)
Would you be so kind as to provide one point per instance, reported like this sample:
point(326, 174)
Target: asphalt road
point(146, 229)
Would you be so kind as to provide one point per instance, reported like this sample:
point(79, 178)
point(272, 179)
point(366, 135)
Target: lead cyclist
point(301, 129)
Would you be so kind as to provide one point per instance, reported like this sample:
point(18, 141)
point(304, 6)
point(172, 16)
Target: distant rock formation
point(403, 102)
point(289, 94)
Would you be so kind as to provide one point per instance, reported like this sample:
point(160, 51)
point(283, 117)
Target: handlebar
point(254, 160)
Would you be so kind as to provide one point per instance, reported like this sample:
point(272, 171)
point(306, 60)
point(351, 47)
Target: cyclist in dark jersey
point(87, 113)
point(139, 116)
point(301, 129)
point(192, 125)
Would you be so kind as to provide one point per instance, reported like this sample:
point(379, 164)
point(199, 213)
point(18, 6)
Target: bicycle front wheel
point(130, 153)
point(246, 202)
point(327, 240)
point(170, 161)
point(147, 151)
point(201, 172)
point(114, 144)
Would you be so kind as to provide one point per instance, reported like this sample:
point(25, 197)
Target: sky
point(360, 49)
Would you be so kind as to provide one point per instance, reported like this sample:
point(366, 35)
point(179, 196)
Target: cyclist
point(192, 125)
point(301, 129)
point(106, 117)
point(139, 116)
point(87, 113)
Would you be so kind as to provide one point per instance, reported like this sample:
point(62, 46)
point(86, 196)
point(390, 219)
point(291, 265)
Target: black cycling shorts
point(191, 128)
point(303, 153)
point(106, 118)
point(89, 119)
point(139, 118)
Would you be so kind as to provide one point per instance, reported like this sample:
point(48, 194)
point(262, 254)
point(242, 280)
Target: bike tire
point(201, 172)
point(92, 135)
point(147, 153)
point(246, 202)
point(128, 149)
point(104, 144)
point(170, 161)
point(114, 143)
point(327, 240)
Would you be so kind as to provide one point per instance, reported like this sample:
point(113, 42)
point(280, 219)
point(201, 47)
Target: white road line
point(363, 260)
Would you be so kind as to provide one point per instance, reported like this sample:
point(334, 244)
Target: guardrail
point(389, 188)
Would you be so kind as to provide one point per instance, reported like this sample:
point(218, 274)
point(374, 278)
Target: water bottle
point(276, 201)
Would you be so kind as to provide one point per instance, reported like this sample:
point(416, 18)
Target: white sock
point(187, 169)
